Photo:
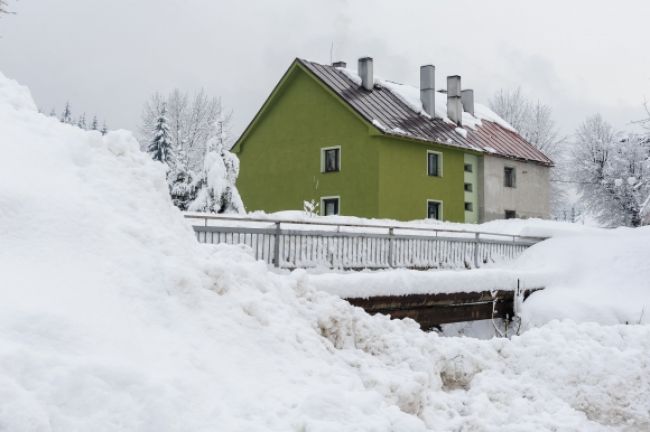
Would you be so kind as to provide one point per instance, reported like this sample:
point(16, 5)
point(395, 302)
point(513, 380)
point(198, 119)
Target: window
point(511, 214)
point(469, 207)
point(330, 159)
point(330, 206)
point(434, 210)
point(468, 187)
point(509, 179)
point(469, 167)
point(434, 164)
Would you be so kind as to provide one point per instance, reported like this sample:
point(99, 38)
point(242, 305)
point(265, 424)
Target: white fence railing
point(308, 244)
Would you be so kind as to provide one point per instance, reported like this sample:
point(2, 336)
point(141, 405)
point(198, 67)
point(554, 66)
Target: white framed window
point(434, 209)
point(330, 205)
point(330, 159)
point(434, 163)
point(469, 167)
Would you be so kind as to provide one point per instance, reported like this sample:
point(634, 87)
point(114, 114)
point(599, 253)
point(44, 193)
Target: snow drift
point(114, 318)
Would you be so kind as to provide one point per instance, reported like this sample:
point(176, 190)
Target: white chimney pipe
point(467, 98)
point(366, 74)
point(454, 104)
point(428, 89)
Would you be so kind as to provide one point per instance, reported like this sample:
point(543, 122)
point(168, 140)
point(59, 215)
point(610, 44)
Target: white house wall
point(529, 198)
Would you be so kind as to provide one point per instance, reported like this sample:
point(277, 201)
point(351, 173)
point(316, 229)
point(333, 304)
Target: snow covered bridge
point(315, 243)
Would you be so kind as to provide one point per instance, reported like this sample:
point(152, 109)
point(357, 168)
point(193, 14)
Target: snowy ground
point(114, 318)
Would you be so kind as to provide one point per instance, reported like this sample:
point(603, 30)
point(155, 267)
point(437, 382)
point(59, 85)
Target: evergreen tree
point(104, 130)
point(216, 190)
point(94, 125)
point(52, 112)
point(66, 117)
point(81, 122)
point(160, 147)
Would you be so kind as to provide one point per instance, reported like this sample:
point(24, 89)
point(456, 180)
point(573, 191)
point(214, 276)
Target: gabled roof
point(390, 111)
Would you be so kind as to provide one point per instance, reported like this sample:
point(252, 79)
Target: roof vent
point(339, 64)
point(467, 98)
point(428, 89)
point(454, 104)
point(365, 72)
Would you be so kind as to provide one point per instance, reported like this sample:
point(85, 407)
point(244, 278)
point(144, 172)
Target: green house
point(363, 147)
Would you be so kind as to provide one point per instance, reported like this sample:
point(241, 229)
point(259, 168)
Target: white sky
point(106, 57)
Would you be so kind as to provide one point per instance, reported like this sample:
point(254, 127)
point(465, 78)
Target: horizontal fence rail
point(306, 244)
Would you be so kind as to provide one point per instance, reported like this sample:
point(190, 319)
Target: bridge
point(292, 244)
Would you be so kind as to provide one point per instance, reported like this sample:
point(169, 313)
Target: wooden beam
point(431, 310)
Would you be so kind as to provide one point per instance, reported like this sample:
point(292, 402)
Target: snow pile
point(403, 281)
point(603, 277)
point(114, 318)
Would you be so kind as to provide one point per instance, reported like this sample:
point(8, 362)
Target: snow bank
point(403, 282)
point(602, 277)
point(114, 318)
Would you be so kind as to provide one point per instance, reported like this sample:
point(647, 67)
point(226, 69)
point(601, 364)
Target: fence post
point(390, 247)
point(476, 241)
point(276, 246)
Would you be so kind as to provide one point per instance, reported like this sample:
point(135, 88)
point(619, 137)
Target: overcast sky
point(106, 57)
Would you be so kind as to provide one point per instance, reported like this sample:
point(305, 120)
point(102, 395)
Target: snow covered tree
point(104, 130)
point(94, 124)
point(66, 116)
point(612, 172)
point(52, 112)
point(217, 192)
point(160, 147)
point(191, 119)
point(197, 126)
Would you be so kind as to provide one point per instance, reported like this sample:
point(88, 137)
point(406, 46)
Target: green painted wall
point(280, 157)
point(472, 197)
point(405, 186)
point(381, 177)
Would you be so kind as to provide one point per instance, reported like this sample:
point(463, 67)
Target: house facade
point(361, 147)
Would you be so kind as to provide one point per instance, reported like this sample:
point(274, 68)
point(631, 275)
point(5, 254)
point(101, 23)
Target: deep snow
point(113, 318)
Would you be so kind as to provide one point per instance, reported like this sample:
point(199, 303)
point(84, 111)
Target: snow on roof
point(411, 96)
point(398, 107)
